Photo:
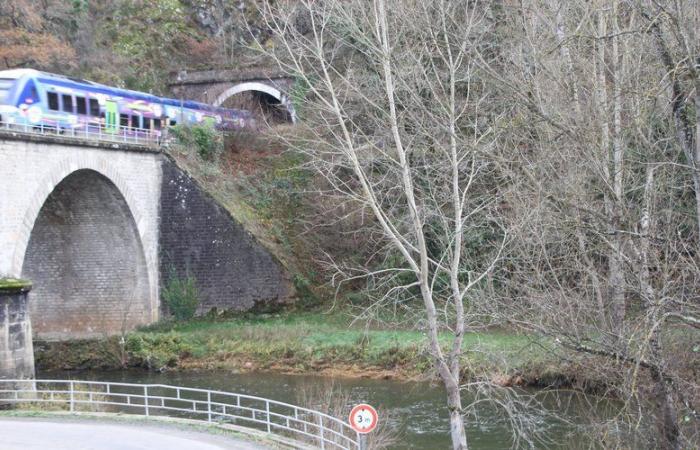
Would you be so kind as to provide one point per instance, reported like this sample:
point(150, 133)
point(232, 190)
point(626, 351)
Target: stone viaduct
point(99, 227)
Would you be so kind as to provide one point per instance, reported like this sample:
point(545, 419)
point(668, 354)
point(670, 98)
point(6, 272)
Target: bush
point(204, 138)
point(181, 296)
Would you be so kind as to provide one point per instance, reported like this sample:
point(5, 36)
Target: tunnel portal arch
point(260, 88)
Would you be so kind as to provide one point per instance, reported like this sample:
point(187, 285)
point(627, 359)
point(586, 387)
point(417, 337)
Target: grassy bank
point(304, 343)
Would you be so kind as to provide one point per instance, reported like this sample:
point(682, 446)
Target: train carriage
point(32, 98)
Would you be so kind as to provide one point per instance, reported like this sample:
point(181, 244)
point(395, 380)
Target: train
point(34, 98)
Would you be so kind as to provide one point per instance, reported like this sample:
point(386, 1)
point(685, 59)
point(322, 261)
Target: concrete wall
point(198, 237)
point(16, 350)
point(83, 219)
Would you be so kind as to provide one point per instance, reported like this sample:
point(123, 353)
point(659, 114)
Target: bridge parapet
point(124, 139)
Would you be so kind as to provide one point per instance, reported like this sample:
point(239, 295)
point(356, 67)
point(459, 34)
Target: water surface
point(416, 409)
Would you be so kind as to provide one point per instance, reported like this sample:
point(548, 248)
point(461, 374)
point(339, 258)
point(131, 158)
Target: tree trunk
point(613, 178)
point(667, 421)
point(696, 172)
point(454, 404)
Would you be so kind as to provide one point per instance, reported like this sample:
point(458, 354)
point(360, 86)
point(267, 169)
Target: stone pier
point(16, 350)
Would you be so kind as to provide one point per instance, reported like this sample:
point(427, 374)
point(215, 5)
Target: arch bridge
point(260, 90)
point(99, 227)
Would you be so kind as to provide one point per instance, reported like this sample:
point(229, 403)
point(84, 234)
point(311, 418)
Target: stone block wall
point(198, 237)
point(16, 350)
point(86, 261)
point(80, 219)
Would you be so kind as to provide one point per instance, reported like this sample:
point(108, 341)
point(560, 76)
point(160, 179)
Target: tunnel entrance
point(267, 109)
point(267, 103)
point(86, 262)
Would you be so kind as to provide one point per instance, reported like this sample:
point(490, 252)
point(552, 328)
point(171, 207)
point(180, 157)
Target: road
point(58, 434)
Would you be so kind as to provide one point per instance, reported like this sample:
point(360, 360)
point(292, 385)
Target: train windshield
point(5, 86)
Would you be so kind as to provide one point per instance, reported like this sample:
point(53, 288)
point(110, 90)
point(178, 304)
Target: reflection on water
point(417, 409)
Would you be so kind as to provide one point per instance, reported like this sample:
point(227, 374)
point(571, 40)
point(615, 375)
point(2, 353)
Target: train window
point(67, 103)
point(94, 107)
point(124, 120)
point(81, 105)
point(146, 123)
point(156, 124)
point(5, 86)
point(173, 122)
point(53, 101)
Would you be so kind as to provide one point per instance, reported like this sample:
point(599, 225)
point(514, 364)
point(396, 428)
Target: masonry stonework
point(208, 85)
point(97, 227)
point(85, 252)
point(199, 238)
point(81, 221)
point(16, 349)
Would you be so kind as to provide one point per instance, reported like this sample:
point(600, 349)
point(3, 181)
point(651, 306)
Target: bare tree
point(399, 123)
point(674, 29)
point(572, 124)
point(604, 256)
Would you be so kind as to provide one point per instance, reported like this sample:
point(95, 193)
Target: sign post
point(363, 419)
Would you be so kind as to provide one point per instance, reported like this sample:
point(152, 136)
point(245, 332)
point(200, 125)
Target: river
point(415, 409)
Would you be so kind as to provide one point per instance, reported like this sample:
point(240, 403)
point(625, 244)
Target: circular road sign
point(363, 418)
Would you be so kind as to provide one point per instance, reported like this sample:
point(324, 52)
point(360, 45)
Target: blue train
point(32, 98)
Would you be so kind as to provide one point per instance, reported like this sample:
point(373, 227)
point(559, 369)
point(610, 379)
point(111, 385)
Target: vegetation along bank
point(310, 342)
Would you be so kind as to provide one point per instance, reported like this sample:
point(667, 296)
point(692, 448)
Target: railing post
point(267, 413)
point(72, 397)
point(145, 399)
point(320, 429)
point(209, 406)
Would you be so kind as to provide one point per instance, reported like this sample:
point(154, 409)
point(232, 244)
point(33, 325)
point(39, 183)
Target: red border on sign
point(371, 410)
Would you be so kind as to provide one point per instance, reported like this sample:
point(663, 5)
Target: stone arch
point(258, 87)
point(89, 192)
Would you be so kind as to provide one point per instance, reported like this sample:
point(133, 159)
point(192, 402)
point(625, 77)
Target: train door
point(111, 116)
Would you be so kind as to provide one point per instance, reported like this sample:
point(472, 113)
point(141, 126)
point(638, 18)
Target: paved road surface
point(49, 434)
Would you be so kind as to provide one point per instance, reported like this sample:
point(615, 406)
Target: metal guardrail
point(296, 425)
point(90, 132)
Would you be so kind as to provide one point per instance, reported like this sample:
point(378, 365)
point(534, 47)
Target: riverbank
point(309, 342)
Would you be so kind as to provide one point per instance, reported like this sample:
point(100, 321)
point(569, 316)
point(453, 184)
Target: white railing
point(90, 132)
point(300, 427)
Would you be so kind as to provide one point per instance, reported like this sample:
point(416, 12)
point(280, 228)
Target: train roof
point(64, 81)
point(14, 74)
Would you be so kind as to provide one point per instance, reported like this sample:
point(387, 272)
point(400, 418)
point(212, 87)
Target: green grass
point(300, 342)
point(316, 340)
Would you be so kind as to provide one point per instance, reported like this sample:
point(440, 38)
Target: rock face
point(200, 239)
point(16, 350)
point(220, 17)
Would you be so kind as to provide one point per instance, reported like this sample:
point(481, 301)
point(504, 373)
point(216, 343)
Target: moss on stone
point(14, 285)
